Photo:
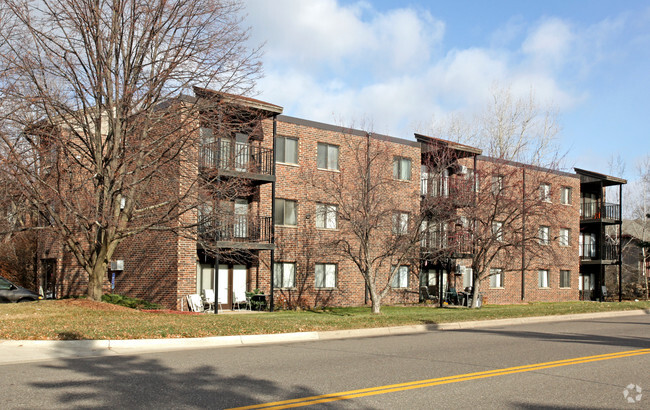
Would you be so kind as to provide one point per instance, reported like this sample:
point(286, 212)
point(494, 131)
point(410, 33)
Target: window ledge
point(328, 170)
point(287, 164)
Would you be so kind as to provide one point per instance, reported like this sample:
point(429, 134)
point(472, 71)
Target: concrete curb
point(19, 351)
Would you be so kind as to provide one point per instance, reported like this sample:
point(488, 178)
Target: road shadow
point(142, 381)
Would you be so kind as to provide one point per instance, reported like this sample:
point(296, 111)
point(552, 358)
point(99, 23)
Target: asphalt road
point(392, 372)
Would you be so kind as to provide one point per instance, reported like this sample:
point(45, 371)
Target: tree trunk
point(375, 299)
point(475, 293)
point(96, 282)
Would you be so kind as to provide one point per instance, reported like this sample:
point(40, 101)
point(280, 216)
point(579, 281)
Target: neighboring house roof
point(634, 228)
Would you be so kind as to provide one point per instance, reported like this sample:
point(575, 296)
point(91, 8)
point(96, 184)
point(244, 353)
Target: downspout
point(523, 235)
point(272, 262)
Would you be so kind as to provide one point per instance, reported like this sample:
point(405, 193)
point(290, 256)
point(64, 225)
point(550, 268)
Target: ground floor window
point(325, 275)
point(400, 277)
point(496, 278)
point(284, 275)
point(565, 279)
point(543, 278)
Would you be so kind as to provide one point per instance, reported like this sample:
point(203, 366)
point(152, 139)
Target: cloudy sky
point(398, 66)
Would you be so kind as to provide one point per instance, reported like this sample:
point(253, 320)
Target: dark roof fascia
point(527, 166)
point(425, 139)
point(607, 180)
point(248, 102)
point(345, 130)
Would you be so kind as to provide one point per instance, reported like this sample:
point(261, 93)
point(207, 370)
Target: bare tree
point(639, 212)
point(378, 219)
point(97, 133)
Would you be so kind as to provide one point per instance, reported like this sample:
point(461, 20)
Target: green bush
point(129, 302)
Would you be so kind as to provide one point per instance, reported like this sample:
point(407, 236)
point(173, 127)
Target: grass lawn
point(83, 319)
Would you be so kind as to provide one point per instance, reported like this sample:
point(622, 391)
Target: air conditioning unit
point(462, 170)
point(117, 265)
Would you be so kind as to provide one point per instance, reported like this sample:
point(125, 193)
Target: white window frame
point(326, 216)
point(331, 153)
point(400, 278)
point(565, 195)
point(283, 151)
point(545, 192)
point(544, 234)
point(325, 275)
point(284, 211)
point(565, 236)
point(400, 222)
point(284, 275)
point(496, 278)
point(543, 279)
point(497, 230)
point(402, 168)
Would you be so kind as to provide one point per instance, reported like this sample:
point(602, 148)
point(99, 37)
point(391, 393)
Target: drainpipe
point(272, 262)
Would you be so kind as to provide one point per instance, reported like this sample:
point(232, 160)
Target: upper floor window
point(326, 216)
point(545, 192)
point(497, 184)
point(400, 223)
point(565, 236)
point(543, 235)
point(325, 275)
point(285, 212)
point(565, 195)
point(286, 150)
point(402, 168)
point(497, 230)
point(328, 156)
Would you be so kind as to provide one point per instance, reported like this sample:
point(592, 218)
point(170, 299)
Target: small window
point(545, 192)
point(286, 150)
point(496, 278)
point(497, 184)
point(565, 195)
point(565, 279)
point(328, 156)
point(326, 216)
point(400, 223)
point(285, 212)
point(468, 277)
point(325, 275)
point(543, 278)
point(429, 277)
point(565, 236)
point(400, 277)
point(402, 168)
point(284, 275)
point(497, 230)
point(543, 235)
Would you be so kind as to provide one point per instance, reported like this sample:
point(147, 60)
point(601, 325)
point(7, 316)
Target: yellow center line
point(371, 391)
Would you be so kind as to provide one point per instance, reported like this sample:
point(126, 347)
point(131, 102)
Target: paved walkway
point(21, 351)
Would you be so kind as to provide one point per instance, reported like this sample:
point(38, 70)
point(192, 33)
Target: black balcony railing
point(591, 251)
point(451, 243)
point(595, 210)
point(227, 154)
point(237, 228)
point(459, 190)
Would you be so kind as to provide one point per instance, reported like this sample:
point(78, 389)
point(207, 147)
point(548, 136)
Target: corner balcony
point(458, 191)
point(455, 245)
point(590, 254)
point(226, 158)
point(237, 232)
point(603, 212)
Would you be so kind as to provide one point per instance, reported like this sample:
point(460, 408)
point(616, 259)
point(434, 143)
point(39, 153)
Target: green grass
point(87, 320)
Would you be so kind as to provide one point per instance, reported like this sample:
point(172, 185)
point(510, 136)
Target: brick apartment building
point(270, 236)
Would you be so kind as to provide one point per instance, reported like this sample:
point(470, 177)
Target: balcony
point(589, 253)
point(458, 190)
point(455, 245)
point(237, 159)
point(599, 211)
point(237, 231)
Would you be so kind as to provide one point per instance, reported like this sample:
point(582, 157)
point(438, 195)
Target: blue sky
point(396, 67)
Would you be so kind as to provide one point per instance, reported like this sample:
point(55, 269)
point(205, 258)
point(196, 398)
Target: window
point(543, 235)
point(473, 178)
point(284, 275)
point(328, 156)
point(565, 235)
point(400, 277)
point(543, 278)
point(565, 195)
point(429, 277)
point(468, 276)
point(402, 168)
point(400, 223)
point(545, 192)
point(325, 275)
point(497, 230)
point(285, 212)
point(326, 216)
point(565, 279)
point(497, 184)
point(496, 278)
point(286, 150)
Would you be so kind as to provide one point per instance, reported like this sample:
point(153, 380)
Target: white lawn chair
point(195, 303)
point(238, 302)
point(209, 299)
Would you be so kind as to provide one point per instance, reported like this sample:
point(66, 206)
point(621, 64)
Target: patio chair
point(452, 296)
point(425, 295)
point(195, 303)
point(236, 303)
point(208, 299)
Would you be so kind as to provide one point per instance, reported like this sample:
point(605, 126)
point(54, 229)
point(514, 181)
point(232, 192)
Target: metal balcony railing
point(237, 228)
point(590, 251)
point(455, 243)
point(227, 154)
point(595, 210)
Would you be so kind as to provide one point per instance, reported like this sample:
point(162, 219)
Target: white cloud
point(549, 43)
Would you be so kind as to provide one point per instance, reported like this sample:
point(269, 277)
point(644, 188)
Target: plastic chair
point(195, 303)
point(208, 298)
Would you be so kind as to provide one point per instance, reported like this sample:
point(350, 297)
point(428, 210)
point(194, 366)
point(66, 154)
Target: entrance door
point(48, 278)
point(239, 283)
point(223, 286)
